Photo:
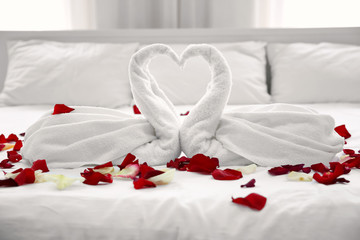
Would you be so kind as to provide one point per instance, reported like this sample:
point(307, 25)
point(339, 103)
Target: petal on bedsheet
point(18, 145)
point(61, 108)
point(165, 178)
point(140, 183)
point(93, 178)
point(12, 138)
point(249, 184)
point(14, 156)
point(179, 163)
point(227, 174)
point(5, 164)
point(298, 176)
point(203, 164)
point(278, 171)
point(130, 171)
point(247, 169)
point(319, 167)
point(2, 138)
point(129, 159)
point(25, 176)
point(253, 200)
point(8, 183)
point(331, 177)
point(342, 131)
point(40, 165)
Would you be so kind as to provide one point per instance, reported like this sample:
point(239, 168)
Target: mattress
point(192, 206)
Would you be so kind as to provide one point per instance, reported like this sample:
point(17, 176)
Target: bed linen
point(192, 206)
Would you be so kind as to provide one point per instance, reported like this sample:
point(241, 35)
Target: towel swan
point(268, 135)
point(92, 135)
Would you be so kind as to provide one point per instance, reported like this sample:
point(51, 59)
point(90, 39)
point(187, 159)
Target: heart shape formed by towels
point(268, 135)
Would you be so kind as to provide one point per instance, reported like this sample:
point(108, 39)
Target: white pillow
point(314, 73)
point(186, 86)
point(45, 72)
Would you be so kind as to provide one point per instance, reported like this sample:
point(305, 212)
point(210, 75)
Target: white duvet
point(192, 206)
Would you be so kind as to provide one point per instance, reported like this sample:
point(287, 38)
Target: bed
point(192, 205)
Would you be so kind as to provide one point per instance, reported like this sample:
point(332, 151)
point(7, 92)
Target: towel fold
point(268, 135)
point(91, 135)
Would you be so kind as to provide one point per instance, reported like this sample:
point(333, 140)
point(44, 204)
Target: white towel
point(91, 135)
point(268, 135)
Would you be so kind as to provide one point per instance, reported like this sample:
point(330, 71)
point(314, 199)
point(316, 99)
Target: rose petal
point(140, 183)
point(129, 159)
point(298, 176)
point(2, 138)
point(61, 108)
point(179, 163)
point(348, 151)
point(104, 168)
point(250, 184)
point(306, 169)
point(60, 180)
point(12, 138)
point(253, 200)
point(330, 177)
point(352, 163)
point(14, 156)
point(93, 178)
point(185, 114)
point(203, 164)
point(25, 176)
point(5, 164)
point(247, 169)
point(342, 131)
point(278, 171)
point(227, 174)
point(164, 178)
point(130, 171)
point(295, 168)
point(18, 145)
point(105, 165)
point(6, 146)
point(9, 182)
point(136, 109)
point(319, 167)
point(22, 134)
point(40, 165)
point(342, 180)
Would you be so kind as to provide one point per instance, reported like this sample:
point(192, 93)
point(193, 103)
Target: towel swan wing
point(92, 135)
point(268, 135)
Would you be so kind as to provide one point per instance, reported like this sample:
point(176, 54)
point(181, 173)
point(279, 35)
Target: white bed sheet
point(192, 206)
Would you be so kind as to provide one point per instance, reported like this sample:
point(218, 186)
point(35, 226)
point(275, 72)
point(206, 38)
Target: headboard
point(313, 35)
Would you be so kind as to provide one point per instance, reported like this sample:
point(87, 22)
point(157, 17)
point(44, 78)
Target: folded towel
point(91, 135)
point(268, 135)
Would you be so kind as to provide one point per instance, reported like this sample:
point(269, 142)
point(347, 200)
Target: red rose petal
point(152, 173)
point(250, 184)
point(2, 146)
point(5, 164)
point(319, 167)
point(203, 164)
point(18, 145)
point(22, 134)
point(352, 163)
point(342, 131)
point(136, 110)
point(140, 183)
point(185, 114)
point(105, 165)
point(25, 176)
point(348, 151)
point(14, 156)
point(330, 177)
point(227, 174)
point(129, 159)
point(278, 171)
point(93, 178)
point(12, 138)
point(342, 180)
point(253, 200)
point(179, 163)
point(295, 168)
point(62, 108)
point(306, 169)
point(8, 183)
point(40, 165)
point(2, 138)
point(144, 169)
